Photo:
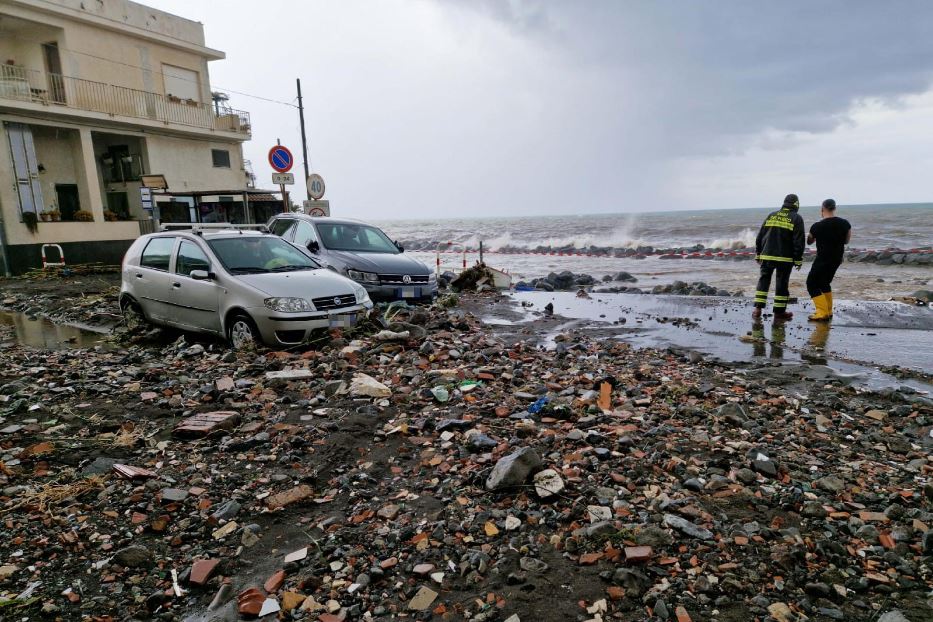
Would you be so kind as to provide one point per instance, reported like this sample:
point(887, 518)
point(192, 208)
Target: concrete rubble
point(146, 480)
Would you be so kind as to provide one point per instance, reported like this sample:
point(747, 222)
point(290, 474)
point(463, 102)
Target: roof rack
point(198, 227)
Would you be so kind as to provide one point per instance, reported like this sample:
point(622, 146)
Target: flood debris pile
point(439, 472)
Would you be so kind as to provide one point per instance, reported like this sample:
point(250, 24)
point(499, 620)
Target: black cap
point(829, 204)
point(791, 200)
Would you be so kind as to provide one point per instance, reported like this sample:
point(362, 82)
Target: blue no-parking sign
point(281, 159)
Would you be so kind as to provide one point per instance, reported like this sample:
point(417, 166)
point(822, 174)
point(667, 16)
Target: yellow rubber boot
point(822, 313)
point(829, 303)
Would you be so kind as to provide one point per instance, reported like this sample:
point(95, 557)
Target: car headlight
point(288, 305)
point(362, 296)
point(363, 277)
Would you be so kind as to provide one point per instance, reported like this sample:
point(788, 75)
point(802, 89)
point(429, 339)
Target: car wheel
point(242, 332)
point(133, 316)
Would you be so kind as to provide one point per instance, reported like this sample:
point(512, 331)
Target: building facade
point(93, 96)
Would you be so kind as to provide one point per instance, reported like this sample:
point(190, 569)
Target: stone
point(422, 599)
point(288, 497)
point(781, 612)
point(512, 523)
point(269, 606)
point(893, 616)
point(765, 467)
point(877, 415)
point(292, 600)
point(133, 557)
point(226, 511)
point(388, 512)
point(222, 532)
point(684, 526)
point(830, 483)
point(296, 556)
point(548, 483)
point(202, 570)
point(290, 374)
point(363, 385)
point(173, 495)
point(274, 582)
point(204, 424)
point(423, 569)
point(513, 469)
point(636, 554)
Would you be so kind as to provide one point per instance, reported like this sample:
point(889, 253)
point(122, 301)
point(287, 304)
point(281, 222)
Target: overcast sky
point(433, 108)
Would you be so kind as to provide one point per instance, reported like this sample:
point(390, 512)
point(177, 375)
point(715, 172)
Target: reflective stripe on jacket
point(781, 238)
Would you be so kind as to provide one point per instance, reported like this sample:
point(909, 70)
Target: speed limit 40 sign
point(315, 186)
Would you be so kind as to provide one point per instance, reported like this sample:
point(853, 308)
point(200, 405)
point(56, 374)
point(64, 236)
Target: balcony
point(50, 89)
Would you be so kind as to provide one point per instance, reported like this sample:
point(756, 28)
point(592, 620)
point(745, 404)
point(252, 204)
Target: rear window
point(157, 253)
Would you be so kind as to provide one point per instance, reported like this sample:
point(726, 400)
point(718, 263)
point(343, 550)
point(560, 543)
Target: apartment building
point(94, 96)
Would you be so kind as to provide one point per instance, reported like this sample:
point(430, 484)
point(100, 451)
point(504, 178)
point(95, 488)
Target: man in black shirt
point(831, 234)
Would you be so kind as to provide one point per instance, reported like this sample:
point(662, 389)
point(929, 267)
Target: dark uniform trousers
point(781, 285)
point(820, 277)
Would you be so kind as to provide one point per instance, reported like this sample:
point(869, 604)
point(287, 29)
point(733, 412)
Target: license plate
point(410, 292)
point(343, 321)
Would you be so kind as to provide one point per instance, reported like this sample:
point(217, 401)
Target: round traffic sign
point(315, 186)
point(281, 159)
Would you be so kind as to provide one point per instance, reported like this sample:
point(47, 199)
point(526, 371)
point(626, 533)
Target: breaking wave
point(746, 239)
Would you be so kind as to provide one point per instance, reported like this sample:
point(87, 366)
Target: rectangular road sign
point(316, 208)
point(287, 179)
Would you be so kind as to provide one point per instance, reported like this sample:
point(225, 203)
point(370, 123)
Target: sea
point(881, 226)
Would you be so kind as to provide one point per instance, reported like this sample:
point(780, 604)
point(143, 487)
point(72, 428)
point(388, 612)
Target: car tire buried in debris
point(242, 333)
point(133, 316)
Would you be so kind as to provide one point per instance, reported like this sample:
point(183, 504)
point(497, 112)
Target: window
point(304, 235)
point(181, 84)
point(355, 238)
point(190, 257)
point(252, 255)
point(221, 158)
point(157, 253)
point(281, 226)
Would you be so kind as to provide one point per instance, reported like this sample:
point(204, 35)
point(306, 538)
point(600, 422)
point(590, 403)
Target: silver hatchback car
point(246, 286)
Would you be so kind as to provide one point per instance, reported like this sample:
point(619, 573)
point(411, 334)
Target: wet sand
point(864, 339)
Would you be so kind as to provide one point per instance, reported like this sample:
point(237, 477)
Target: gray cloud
point(455, 107)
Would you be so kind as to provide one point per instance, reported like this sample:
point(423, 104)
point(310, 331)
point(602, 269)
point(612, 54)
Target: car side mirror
point(313, 246)
point(201, 275)
point(400, 248)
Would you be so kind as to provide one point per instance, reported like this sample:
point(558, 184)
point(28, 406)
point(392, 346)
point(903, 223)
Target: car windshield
point(253, 255)
point(355, 238)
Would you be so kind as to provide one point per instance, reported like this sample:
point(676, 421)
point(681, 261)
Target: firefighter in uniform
point(778, 249)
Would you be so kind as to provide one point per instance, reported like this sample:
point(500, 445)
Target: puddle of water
point(43, 333)
point(861, 335)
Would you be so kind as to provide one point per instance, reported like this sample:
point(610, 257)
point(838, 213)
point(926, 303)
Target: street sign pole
point(284, 197)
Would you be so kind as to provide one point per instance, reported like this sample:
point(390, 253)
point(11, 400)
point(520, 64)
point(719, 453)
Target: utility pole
point(304, 141)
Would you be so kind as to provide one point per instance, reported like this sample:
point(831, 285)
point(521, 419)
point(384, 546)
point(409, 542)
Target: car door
point(151, 278)
point(194, 302)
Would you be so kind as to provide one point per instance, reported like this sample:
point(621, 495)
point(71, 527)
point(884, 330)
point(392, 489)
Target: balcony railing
point(28, 85)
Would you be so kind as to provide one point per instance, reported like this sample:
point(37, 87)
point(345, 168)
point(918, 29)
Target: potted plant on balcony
point(110, 216)
point(31, 221)
point(82, 215)
point(55, 215)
